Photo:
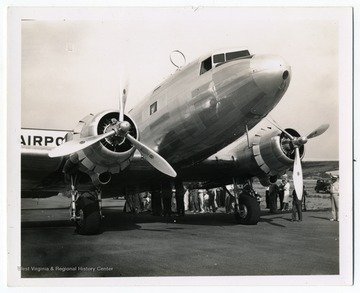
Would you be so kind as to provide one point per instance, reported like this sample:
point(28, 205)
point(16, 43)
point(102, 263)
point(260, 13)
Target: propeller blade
point(320, 130)
point(298, 175)
point(73, 146)
point(152, 157)
point(281, 129)
point(122, 102)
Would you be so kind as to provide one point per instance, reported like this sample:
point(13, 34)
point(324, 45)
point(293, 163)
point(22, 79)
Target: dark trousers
point(296, 209)
point(194, 201)
point(180, 207)
point(304, 202)
point(167, 203)
point(273, 202)
point(212, 203)
point(281, 198)
point(156, 203)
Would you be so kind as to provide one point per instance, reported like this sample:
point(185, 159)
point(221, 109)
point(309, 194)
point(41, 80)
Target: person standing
point(304, 200)
point(179, 196)
point(273, 194)
point(128, 208)
point(147, 201)
point(136, 202)
point(229, 200)
point(166, 199)
point(186, 200)
point(212, 200)
point(206, 201)
point(267, 198)
point(194, 200)
point(201, 200)
point(334, 193)
point(156, 206)
point(286, 190)
point(173, 202)
point(296, 206)
point(221, 193)
point(281, 195)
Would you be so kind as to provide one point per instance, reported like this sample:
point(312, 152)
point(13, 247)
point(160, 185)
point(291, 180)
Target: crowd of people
point(167, 201)
point(137, 202)
point(209, 200)
point(281, 192)
point(170, 201)
point(278, 199)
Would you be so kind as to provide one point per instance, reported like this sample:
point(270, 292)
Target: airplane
point(176, 134)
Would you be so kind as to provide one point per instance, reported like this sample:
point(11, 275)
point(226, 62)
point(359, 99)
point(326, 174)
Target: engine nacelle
point(270, 154)
point(108, 156)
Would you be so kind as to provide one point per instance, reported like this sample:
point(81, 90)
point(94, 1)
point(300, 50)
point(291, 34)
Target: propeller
point(297, 142)
point(119, 128)
point(152, 157)
point(76, 145)
point(318, 131)
point(273, 122)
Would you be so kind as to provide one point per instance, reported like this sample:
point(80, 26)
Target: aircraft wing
point(263, 154)
point(40, 175)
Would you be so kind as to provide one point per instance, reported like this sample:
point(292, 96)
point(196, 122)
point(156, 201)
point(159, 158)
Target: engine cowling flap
point(270, 154)
point(108, 156)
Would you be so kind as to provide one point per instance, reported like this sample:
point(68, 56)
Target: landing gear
point(85, 209)
point(247, 208)
point(88, 216)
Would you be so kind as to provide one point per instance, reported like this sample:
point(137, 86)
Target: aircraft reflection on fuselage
point(199, 108)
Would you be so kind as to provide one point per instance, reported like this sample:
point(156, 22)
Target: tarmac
point(196, 245)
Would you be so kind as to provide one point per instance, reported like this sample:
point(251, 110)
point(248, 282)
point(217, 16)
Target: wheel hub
point(243, 211)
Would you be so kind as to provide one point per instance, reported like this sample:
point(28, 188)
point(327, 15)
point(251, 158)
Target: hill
point(318, 169)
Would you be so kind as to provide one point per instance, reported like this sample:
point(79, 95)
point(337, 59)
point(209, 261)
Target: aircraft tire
point(90, 218)
point(249, 213)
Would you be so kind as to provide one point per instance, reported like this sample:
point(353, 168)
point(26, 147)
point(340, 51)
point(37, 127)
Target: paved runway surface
point(134, 245)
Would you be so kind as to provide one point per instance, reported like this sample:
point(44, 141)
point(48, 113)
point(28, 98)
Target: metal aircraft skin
point(180, 128)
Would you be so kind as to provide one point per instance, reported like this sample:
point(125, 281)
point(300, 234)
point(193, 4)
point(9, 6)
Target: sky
point(74, 61)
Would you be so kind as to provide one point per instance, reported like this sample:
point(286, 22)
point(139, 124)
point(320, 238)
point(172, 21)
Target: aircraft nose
point(270, 72)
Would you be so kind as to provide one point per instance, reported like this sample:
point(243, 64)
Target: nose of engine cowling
point(270, 72)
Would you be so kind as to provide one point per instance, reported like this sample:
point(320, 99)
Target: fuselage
point(196, 112)
point(208, 104)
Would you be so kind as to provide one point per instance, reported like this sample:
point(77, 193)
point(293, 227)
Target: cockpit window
point(238, 54)
point(205, 65)
point(219, 58)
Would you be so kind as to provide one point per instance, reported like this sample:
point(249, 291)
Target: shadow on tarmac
point(116, 220)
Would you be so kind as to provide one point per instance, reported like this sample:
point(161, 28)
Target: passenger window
point(153, 108)
point(205, 65)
